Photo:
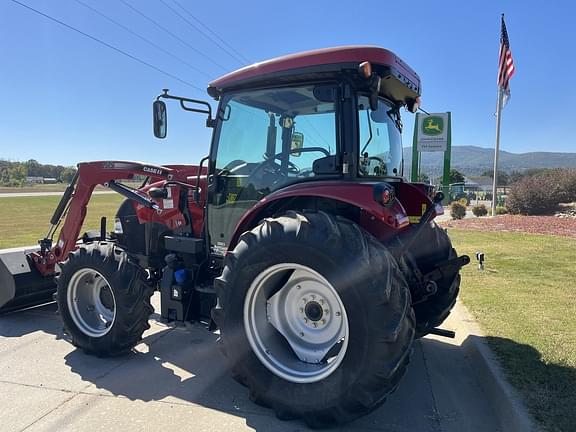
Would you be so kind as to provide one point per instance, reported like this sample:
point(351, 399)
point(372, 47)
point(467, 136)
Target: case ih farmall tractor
point(296, 238)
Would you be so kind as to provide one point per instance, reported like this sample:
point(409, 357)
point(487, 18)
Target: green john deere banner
point(432, 132)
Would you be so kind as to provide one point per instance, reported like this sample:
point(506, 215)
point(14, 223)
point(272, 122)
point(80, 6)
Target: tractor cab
point(325, 115)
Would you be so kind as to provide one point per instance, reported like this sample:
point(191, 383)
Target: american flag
point(506, 67)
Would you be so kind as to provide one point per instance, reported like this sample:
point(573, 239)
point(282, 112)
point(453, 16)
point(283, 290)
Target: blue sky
point(67, 98)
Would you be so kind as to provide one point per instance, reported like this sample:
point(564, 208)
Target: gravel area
point(550, 225)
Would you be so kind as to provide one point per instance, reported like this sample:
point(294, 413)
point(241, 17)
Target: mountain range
point(472, 160)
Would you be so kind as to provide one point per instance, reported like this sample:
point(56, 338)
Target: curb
point(508, 407)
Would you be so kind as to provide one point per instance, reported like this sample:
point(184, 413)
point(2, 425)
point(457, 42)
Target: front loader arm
point(74, 202)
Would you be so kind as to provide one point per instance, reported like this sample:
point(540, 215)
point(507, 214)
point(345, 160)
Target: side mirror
point(160, 119)
point(297, 143)
point(374, 90)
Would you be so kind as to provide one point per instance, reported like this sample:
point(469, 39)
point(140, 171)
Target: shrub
point(538, 194)
point(568, 184)
point(500, 210)
point(457, 210)
point(479, 210)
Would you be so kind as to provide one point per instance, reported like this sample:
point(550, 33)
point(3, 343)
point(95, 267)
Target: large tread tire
point(375, 296)
point(434, 247)
point(131, 294)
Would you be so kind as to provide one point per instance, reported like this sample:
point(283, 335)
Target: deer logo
point(433, 126)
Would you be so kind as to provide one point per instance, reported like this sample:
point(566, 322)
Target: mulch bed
point(551, 225)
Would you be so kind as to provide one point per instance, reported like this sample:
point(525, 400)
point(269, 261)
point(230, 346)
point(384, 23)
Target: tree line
point(504, 178)
point(15, 173)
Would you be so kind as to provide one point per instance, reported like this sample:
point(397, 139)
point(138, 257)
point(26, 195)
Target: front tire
point(103, 299)
point(315, 318)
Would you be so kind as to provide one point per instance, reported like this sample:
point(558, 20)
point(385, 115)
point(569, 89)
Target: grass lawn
point(525, 300)
point(57, 187)
point(24, 220)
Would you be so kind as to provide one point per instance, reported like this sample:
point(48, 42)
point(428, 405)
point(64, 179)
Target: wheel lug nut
point(338, 314)
point(301, 310)
point(298, 287)
point(304, 299)
point(301, 334)
point(321, 301)
point(315, 325)
point(305, 320)
point(323, 321)
point(326, 311)
point(313, 296)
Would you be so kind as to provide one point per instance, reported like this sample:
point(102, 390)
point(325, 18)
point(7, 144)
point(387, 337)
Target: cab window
point(380, 142)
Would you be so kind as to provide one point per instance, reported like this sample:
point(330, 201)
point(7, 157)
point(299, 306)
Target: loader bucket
point(21, 284)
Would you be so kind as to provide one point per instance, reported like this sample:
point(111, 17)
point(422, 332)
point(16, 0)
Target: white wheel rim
point(296, 323)
point(91, 302)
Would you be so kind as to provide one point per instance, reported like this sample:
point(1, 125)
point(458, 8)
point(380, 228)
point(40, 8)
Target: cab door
point(264, 140)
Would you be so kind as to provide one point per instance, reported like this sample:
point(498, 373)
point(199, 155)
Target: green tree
point(503, 177)
point(16, 175)
point(34, 168)
point(67, 174)
point(456, 176)
point(423, 178)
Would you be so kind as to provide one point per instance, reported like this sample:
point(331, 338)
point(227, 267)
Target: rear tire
point(103, 299)
point(353, 271)
point(434, 247)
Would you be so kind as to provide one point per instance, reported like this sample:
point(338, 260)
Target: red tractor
point(297, 238)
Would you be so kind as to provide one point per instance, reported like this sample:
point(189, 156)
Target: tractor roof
point(316, 62)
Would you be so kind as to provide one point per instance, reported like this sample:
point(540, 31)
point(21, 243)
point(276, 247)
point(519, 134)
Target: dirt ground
point(550, 225)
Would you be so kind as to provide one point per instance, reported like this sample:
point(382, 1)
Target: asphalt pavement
point(177, 380)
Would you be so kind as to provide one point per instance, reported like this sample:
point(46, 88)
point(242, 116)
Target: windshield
point(274, 136)
point(380, 140)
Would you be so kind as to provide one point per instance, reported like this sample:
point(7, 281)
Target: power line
point(164, 29)
point(245, 59)
point(195, 27)
point(106, 44)
point(148, 41)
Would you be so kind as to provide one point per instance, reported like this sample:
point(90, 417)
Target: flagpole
point(497, 148)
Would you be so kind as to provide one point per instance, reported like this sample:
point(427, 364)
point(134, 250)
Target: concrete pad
point(185, 367)
point(509, 408)
point(177, 379)
point(457, 391)
point(97, 413)
point(34, 351)
point(21, 406)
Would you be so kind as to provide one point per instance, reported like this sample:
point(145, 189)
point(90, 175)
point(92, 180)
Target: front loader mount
point(27, 274)
point(21, 284)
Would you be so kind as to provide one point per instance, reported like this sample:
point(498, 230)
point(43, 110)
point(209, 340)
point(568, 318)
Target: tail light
point(384, 194)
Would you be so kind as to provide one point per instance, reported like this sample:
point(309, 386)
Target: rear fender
point(415, 198)
point(381, 221)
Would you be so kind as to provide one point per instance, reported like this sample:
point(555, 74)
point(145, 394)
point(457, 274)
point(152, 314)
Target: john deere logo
point(433, 126)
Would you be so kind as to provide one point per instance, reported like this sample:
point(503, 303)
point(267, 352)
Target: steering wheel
point(292, 168)
point(381, 161)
